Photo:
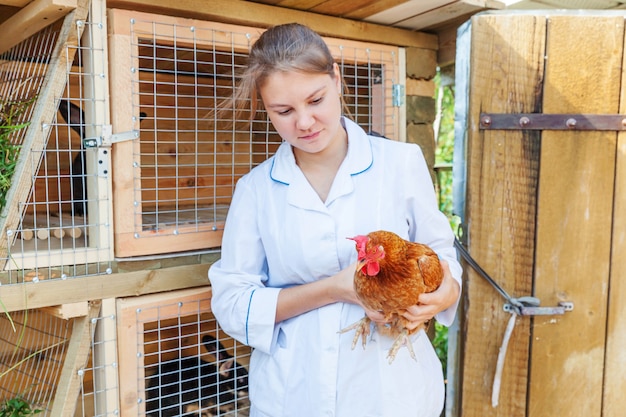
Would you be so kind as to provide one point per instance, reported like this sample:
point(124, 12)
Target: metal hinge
point(540, 121)
point(108, 138)
point(397, 98)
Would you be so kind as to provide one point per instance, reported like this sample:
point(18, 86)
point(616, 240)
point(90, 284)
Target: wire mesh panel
point(32, 352)
point(177, 361)
point(63, 227)
point(186, 162)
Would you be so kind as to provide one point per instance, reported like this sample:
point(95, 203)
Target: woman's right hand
point(344, 285)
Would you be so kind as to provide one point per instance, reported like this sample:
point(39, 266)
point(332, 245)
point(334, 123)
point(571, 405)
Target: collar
point(358, 159)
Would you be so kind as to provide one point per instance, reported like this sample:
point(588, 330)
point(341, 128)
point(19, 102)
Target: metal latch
point(108, 138)
point(541, 121)
point(397, 95)
point(530, 309)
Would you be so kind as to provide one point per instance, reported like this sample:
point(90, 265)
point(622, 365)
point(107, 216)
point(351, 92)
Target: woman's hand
point(430, 304)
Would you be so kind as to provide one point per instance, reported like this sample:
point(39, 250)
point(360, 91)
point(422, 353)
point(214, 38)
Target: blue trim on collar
point(371, 161)
point(272, 170)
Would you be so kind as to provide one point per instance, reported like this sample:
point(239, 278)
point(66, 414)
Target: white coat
point(279, 233)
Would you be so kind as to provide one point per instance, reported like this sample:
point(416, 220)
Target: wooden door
point(544, 213)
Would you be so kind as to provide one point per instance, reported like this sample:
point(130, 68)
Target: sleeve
point(243, 306)
point(427, 224)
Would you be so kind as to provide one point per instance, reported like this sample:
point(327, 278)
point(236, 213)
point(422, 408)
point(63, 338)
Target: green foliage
point(443, 164)
point(17, 407)
point(440, 343)
point(10, 112)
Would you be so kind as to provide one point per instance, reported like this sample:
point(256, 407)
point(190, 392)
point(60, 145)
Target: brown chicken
point(391, 274)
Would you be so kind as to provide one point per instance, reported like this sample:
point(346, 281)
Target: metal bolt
point(524, 121)
point(485, 121)
point(571, 123)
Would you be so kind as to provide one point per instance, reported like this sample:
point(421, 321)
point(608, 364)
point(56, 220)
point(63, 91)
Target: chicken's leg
point(362, 328)
point(403, 339)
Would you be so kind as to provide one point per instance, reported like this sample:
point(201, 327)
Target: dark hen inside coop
point(190, 367)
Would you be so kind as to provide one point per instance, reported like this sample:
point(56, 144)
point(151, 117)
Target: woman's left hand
point(430, 304)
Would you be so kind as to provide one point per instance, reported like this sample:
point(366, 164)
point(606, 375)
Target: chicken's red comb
point(361, 241)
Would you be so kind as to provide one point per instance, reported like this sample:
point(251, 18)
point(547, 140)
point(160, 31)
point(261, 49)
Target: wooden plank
point(76, 359)
point(105, 356)
point(502, 174)
point(254, 14)
point(35, 136)
point(125, 172)
point(442, 15)
point(68, 311)
point(31, 19)
point(95, 94)
point(574, 213)
point(15, 3)
point(614, 401)
point(190, 237)
point(47, 293)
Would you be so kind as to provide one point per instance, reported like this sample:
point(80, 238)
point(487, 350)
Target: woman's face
point(305, 109)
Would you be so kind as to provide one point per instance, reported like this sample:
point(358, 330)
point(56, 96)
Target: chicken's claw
point(362, 328)
point(402, 340)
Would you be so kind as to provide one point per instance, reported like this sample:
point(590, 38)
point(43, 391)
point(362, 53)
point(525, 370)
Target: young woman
point(284, 284)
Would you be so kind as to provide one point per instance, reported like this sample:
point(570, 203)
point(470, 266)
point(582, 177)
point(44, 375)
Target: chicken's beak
point(360, 264)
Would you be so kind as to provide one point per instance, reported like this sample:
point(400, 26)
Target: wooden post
point(502, 173)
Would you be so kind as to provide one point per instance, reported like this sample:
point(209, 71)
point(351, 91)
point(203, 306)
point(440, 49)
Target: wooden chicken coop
point(121, 187)
point(123, 181)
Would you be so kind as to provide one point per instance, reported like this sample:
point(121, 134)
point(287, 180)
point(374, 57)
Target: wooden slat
point(192, 237)
point(371, 8)
point(31, 19)
point(35, 136)
point(254, 14)
point(104, 356)
point(15, 3)
point(502, 176)
point(76, 359)
point(574, 213)
point(614, 401)
point(121, 51)
point(68, 310)
point(95, 94)
point(47, 293)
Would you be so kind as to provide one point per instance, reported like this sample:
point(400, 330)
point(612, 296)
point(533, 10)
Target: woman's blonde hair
point(287, 47)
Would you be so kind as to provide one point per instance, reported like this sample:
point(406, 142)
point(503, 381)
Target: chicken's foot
point(362, 328)
point(403, 339)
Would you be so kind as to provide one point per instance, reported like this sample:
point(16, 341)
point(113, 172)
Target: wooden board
point(502, 176)
point(614, 401)
point(53, 292)
point(574, 217)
